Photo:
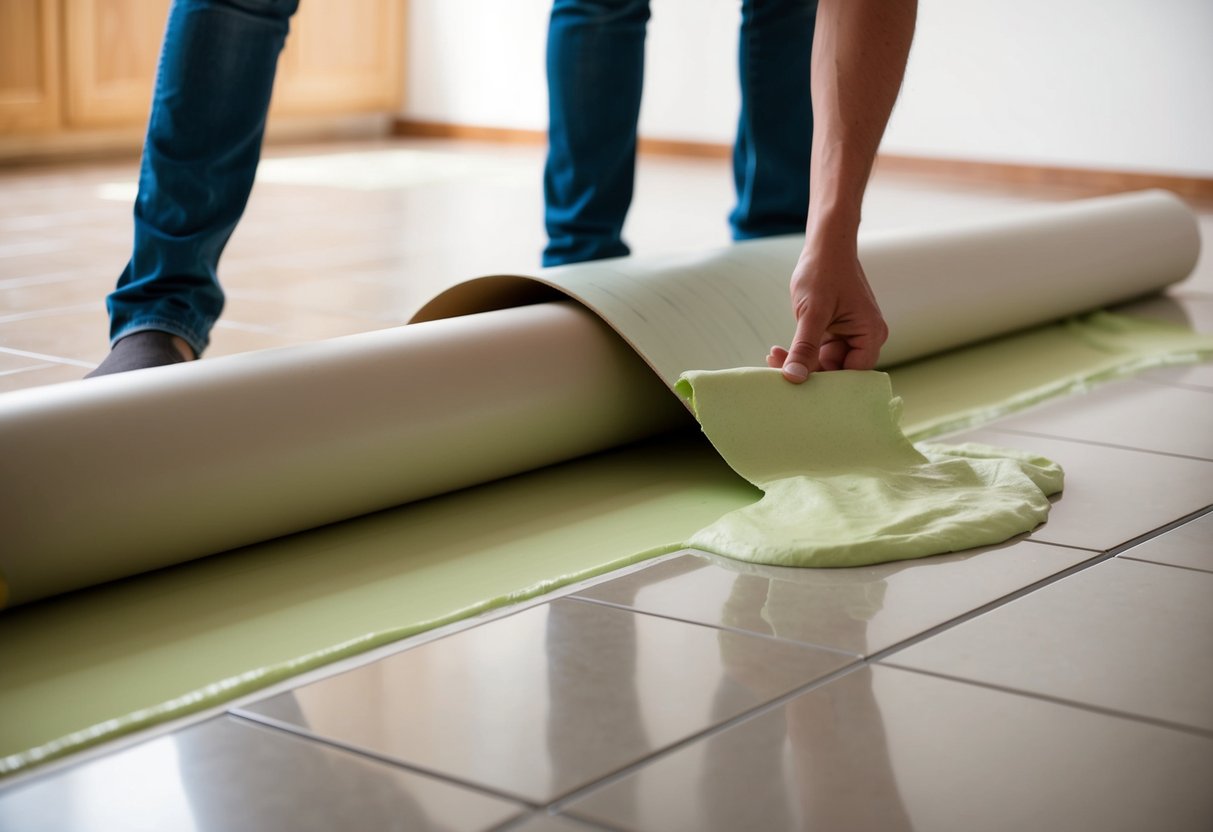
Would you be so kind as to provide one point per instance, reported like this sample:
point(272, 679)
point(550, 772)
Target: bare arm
point(859, 57)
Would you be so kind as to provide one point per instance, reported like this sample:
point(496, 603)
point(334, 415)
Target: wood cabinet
point(342, 56)
point(29, 65)
point(110, 53)
point(81, 66)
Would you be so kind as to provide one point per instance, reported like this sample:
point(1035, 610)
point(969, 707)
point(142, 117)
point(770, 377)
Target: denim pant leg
point(595, 68)
point(775, 130)
point(203, 142)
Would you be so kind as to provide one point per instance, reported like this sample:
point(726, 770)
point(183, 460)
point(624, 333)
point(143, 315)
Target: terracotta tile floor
point(1057, 682)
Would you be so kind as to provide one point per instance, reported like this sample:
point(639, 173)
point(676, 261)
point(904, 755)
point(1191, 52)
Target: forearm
point(859, 57)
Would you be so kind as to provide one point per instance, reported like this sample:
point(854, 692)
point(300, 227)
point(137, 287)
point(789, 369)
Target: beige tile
point(1111, 495)
point(294, 324)
point(883, 749)
point(230, 774)
point(1124, 635)
point(550, 699)
point(82, 335)
point(387, 302)
point(1189, 545)
point(1129, 414)
point(40, 376)
point(11, 362)
point(40, 265)
point(861, 610)
point(68, 289)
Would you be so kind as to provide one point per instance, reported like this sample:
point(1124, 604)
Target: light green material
point(842, 484)
point(972, 386)
point(93, 665)
point(88, 666)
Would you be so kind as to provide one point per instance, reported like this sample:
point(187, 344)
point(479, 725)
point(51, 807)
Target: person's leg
point(203, 142)
point(595, 66)
point(775, 129)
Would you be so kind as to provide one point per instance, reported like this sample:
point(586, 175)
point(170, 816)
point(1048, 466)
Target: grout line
point(1031, 539)
point(851, 654)
point(46, 278)
point(41, 366)
point(577, 820)
point(559, 803)
point(881, 655)
point(52, 311)
point(1168, 565)
point(301, 732)
point(1102, 557)
point(1098, 444)
point(1057, 700)
point(44, 357)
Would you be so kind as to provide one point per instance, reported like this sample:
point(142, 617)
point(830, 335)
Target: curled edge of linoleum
point(842, 485)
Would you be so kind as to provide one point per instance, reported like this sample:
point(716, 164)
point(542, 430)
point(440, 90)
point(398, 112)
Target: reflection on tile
point(1130, 636)
point(884, 749)
point(549, 699)
point(1131, 414)
point(1112, 495)
point(228, 774)
point(552, 823)
point(1183, 309)
point(1189, 545)
point(861, 610)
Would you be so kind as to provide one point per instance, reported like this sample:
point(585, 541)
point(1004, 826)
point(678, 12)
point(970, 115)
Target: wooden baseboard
point(1109, 181)
point(127, 143)
point(994, 173)
point(513, 135)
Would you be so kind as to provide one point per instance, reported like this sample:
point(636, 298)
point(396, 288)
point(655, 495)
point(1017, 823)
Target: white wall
point(1116, 84)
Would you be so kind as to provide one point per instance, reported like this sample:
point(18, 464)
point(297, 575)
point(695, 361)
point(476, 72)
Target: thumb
point(803, 354)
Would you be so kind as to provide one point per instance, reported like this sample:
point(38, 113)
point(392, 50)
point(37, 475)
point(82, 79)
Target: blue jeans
point(203, 143)
point(595, 66)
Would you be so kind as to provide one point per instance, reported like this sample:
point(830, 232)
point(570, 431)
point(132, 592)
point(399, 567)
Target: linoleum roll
point(938, 288)
point(122, 474)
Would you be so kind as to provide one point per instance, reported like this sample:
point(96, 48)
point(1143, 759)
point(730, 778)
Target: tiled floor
point(1061, 681)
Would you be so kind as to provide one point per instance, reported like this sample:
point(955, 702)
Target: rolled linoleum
point(127, 473)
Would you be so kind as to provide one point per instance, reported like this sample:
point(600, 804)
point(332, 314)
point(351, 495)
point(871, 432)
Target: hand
point(838, 324)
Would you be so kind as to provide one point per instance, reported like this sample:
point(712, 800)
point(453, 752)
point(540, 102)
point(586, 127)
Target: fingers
point(776, 357)
point(833, 354)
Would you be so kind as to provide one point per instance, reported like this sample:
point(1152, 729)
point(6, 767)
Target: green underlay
point(842, 486)
point(95, 664)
